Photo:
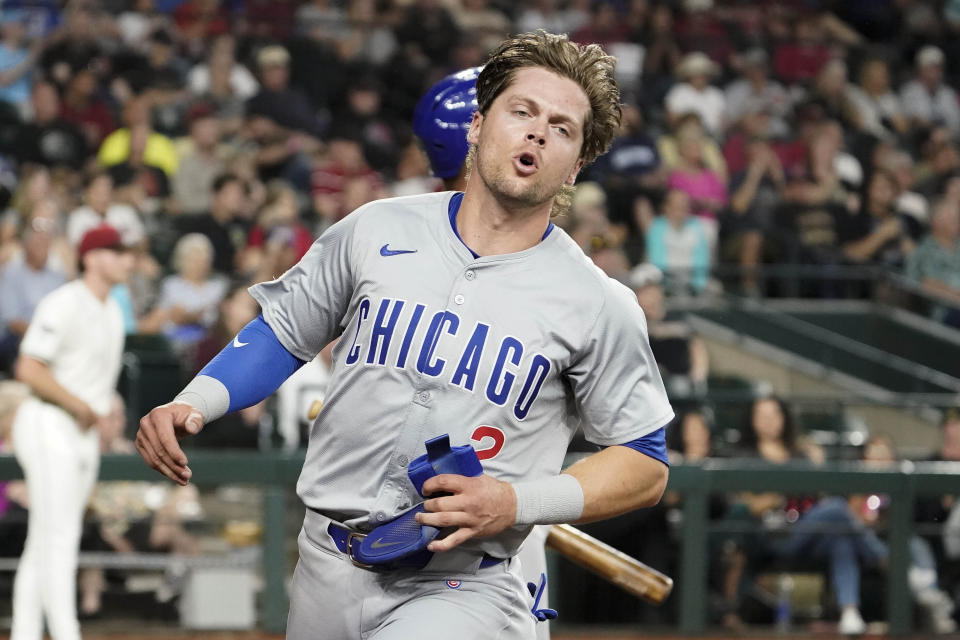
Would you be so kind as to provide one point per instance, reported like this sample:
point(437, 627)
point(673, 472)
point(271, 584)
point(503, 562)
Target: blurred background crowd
point(769, 149)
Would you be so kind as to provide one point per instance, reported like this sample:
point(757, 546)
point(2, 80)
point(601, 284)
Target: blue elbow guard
point(653, 444)
point(253, 366)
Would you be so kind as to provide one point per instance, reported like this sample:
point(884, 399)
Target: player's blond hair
point(589, 66)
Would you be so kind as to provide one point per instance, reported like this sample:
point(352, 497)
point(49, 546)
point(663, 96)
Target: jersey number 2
point(492, 433)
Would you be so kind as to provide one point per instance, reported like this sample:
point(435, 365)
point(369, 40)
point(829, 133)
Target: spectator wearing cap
point(695, 94)
point(285, 106)
point(137, 142)
point(22, 285)
point(49, 140)
point(754, 91)
point(201, 161)
point(282, 122)
point(881, 113)
point(100, 208)
point(927, 100)
point(16, 61)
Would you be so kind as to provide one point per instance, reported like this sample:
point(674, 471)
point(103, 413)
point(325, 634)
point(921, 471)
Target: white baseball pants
point(60, 463)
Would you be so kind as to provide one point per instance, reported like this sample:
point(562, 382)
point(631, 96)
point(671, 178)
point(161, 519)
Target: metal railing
point(276, 472)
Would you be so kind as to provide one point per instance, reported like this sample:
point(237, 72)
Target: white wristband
point(554, 500)
point(208, 395)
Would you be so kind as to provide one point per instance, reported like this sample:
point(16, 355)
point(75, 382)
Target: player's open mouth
point(526, 163)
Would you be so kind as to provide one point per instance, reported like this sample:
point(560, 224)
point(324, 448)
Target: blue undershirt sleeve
point(250, 368)
point(653, 444)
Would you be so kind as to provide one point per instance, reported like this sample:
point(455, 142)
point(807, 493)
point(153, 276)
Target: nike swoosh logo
point(237, 343)
point(386, 251)
point(378, 544)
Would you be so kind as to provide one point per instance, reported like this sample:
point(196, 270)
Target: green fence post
point(899, 602)
point(274, 560)
point(693, 557)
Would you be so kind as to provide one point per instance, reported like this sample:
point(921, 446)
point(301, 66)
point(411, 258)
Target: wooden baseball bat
point(615, 566)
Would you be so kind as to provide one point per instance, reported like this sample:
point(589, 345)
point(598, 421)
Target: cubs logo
point(454, 584)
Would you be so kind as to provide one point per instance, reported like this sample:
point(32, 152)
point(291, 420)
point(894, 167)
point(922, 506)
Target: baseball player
point(70, 358)
point(461, 314)
point(441, 121)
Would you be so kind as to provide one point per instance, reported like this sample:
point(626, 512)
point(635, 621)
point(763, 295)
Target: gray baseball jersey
point(503, 352)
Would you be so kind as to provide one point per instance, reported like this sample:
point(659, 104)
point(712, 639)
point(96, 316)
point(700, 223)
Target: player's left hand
point(478, 506)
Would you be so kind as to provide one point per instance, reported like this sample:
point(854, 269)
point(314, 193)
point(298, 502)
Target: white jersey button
point(423, 396)
point(470, 275)
point(381, 516)
point(458, 298)
point(403, 461)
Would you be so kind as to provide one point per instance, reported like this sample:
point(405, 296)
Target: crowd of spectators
point(795, 132)
point(221, 137)
point(759, 539)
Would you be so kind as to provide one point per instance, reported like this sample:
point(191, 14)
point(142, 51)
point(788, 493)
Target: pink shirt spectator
point(708, 193)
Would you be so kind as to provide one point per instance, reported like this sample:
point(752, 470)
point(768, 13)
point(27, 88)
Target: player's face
point(114, 266)
point(528, 143)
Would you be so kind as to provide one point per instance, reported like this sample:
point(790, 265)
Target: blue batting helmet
point(442, 118)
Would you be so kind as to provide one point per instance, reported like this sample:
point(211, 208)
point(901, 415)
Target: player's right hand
point(84, 415)
point(159, 435)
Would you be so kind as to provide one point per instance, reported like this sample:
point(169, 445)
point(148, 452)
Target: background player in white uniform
point(70, 358)
point(467, 314)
